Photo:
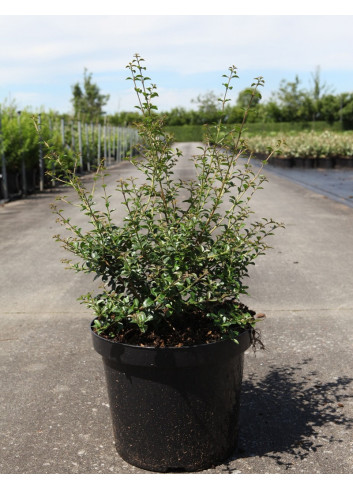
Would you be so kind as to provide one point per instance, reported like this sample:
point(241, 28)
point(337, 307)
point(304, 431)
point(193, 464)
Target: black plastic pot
point(174, 409)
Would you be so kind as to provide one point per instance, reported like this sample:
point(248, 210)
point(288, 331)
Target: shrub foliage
point(183, 246)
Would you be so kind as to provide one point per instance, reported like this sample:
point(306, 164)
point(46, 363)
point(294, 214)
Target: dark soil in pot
point(190, 329)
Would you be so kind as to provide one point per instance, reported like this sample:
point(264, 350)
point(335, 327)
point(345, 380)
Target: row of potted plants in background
point(309, 149)
point(22, 156)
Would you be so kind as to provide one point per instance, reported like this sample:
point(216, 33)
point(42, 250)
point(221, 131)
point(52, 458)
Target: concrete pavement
point(297, 410)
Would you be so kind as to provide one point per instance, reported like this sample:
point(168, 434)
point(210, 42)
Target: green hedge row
point(186, 133)
point(190, 133)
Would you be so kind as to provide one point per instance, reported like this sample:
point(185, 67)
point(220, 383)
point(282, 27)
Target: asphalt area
point(297, 395)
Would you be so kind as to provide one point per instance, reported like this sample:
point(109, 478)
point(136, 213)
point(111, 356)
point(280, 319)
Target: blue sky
point(42, 56)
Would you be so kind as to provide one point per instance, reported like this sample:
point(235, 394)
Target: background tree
point(319, 90)
point(88, 103)
point(346, 112)
point(77, 99)
point(208, 108)
point(291, 100)
point(243, 103)
point(244, 97)
point(330, 108)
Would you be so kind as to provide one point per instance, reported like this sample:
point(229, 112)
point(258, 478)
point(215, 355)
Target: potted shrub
point(169, 322)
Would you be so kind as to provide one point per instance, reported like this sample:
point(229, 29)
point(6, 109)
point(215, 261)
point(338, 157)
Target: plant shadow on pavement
point(283, 412)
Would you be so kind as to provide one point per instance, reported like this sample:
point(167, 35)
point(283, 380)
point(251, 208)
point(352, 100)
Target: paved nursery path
point(297, 408)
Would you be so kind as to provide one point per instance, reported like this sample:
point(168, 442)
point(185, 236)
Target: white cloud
point(182, 7)
point(53, 49)
point(186, 44)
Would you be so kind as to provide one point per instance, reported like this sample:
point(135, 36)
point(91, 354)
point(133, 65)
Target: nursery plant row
point(307, 148)
point(22, 152)
point(306, 144)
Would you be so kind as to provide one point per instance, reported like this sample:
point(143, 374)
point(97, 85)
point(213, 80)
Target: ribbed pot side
point(174, 409)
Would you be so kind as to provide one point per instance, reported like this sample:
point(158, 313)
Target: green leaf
point(148, 302)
